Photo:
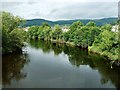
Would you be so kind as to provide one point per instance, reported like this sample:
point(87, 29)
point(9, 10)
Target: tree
point(12, 39)
point(46, 31)
point(45, 24)
point(33, 32)
point(106, 27)
point(10, 22)
point(73, 28)
point(40, 33)
point(75, 25)
point(57, 31)
point(65, 36)
point(91, 24)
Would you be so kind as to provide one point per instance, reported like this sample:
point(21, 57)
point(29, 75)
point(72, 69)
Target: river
point(43, 64)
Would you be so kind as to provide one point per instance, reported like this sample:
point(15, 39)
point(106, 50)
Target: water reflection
point(79, 57)
point(12, 67)
point(43, 71)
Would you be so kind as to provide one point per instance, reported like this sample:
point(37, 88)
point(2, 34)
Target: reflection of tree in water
point(76, 56)
point(47, 46)
point(79, 57)
point(12, 66)
point(56, 48)
point(108, 73)
point(97, 62)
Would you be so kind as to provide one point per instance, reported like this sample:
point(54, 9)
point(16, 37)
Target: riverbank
point(100, 40)
point(106, 54)
point(89, 49)
point(114, 60)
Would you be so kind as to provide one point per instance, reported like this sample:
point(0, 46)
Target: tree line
point(98, 39)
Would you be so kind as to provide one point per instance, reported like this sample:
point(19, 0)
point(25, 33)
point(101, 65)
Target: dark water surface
point(49, 65)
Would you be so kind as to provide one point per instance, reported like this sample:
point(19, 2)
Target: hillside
point(99, 22)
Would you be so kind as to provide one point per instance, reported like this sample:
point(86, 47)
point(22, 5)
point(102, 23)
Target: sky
point(61, 9)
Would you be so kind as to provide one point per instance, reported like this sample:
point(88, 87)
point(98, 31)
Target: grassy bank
point(109, 55)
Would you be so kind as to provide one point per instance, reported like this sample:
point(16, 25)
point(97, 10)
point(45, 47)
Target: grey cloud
point(10, 4)
point(86, 10)
point(32, 3)
point(37, 14)
point(56, 11)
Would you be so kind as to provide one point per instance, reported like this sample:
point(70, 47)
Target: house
point(26, 28)
point(65, 29)
point(114, 28)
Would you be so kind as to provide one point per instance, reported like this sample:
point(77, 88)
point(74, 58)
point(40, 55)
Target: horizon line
point(74, 19)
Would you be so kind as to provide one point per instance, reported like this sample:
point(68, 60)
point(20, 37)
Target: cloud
point(86, 10)
point(61, 9)
point(61, 0)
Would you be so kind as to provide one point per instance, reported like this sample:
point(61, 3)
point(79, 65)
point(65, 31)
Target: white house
point(115, 28)
point(26, 28)
point(65, 29)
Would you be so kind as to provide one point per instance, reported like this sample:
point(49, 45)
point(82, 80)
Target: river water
point(43, 64)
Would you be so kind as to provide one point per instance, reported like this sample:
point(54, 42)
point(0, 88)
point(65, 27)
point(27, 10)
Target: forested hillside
point(99, 22)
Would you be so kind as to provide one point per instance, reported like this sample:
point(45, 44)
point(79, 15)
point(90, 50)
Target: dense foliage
point(90, 36)
point(107, 44)
point(12, 36)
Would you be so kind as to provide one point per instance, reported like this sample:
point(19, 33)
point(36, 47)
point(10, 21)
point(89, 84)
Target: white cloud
point(61, 9)
point(61, 0)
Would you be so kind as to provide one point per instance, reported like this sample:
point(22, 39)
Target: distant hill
point(37, 22)
point(99, 22)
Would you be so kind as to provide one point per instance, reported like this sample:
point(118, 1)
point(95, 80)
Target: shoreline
point(84, 48)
